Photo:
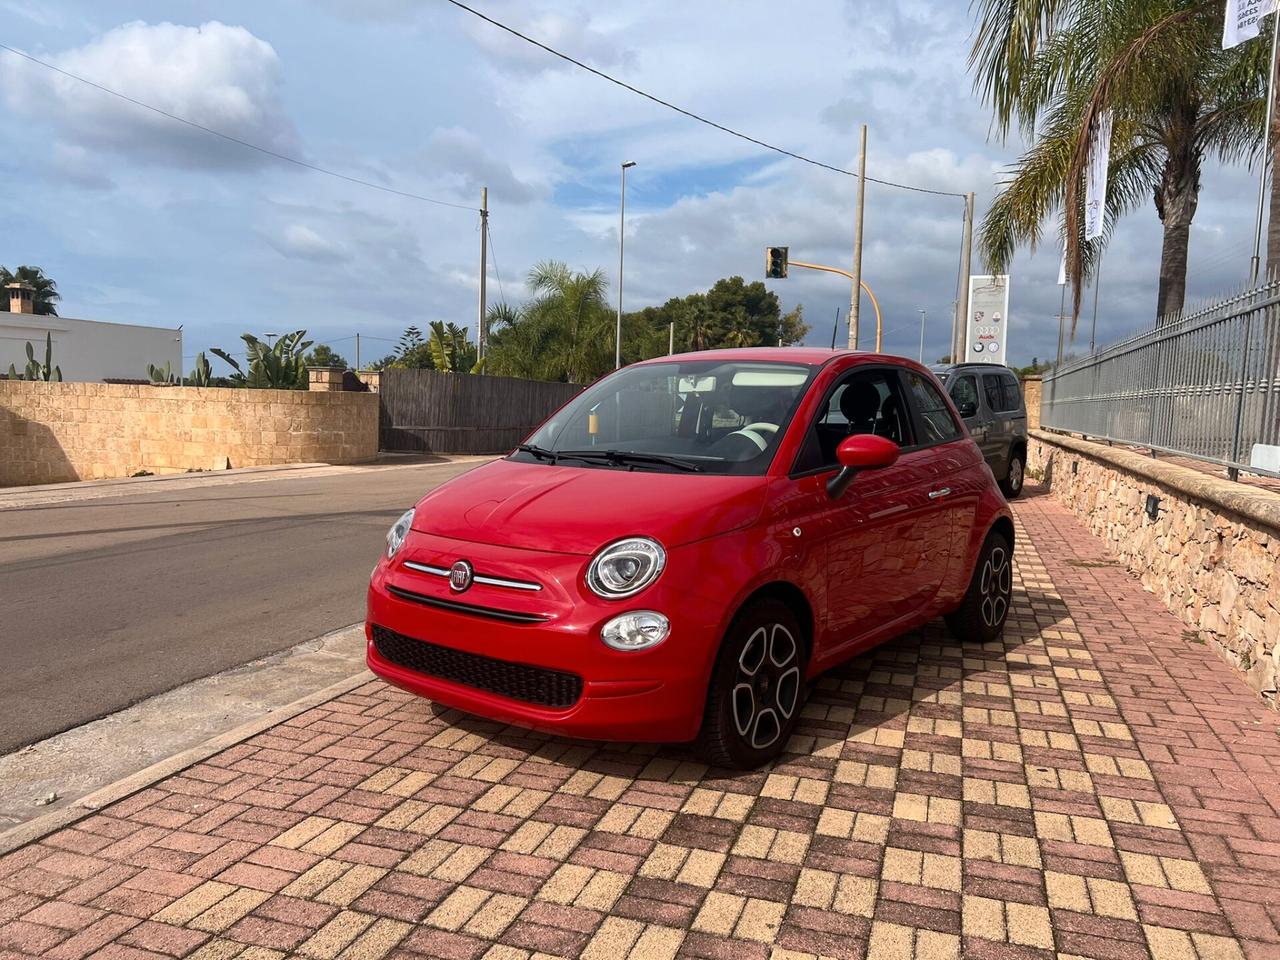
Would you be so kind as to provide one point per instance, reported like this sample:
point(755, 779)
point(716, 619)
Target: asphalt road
point(105, 602)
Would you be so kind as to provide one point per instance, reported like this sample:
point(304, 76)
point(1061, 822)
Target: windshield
point(698, 416)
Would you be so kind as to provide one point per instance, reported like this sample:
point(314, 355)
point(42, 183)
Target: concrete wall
point(89, 349)
point(1212, 553)
point(51, 432)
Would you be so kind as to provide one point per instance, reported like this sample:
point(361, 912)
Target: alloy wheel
point(1015, 474)
point(995, 586)
point(766, 690)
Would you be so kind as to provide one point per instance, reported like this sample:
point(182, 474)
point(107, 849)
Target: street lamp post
point(922, 316)
point(622, 235)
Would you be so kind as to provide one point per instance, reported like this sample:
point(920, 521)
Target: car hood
point(577, 510)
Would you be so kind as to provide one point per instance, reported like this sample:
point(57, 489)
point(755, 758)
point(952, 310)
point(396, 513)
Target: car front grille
point(519, 681)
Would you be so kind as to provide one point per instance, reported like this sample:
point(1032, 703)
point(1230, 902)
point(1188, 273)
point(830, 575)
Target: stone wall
point(1211, 553)
point(1033, 396)
point(51, 432)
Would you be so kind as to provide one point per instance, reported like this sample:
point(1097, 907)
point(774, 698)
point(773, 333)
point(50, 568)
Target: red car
point(679, 550)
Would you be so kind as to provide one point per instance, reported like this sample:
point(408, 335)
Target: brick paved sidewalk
point(1097, 786)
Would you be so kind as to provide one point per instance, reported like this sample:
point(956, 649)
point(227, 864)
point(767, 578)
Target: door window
point(937, 425)
point(866, 401)
point(1002, 392)
point(964, 393)
point(1012, 393)
point(992, 391)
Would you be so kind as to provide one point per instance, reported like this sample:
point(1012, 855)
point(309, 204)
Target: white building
point(84, 349)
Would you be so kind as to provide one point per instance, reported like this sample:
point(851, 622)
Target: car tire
point(1011, 485)
point(981, 616)
point(757, 688)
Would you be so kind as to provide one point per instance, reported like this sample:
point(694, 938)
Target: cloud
point(465, 154)
point(220, 76)
point(570, 32)
point(300, 240)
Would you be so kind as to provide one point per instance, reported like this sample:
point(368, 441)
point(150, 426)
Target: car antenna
point(835, 327)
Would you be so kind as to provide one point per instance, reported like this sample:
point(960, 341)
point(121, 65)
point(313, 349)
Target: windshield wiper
point(542, 453)
point(625, 457)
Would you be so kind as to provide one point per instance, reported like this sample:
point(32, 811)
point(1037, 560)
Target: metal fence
point(1205, 385)
point(430, 412)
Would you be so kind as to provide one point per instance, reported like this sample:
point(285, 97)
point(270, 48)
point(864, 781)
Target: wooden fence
point(430, 412)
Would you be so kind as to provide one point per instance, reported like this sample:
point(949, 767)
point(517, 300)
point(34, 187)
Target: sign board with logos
point(987, 333)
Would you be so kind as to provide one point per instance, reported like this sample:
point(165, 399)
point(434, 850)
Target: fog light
point(637, 630)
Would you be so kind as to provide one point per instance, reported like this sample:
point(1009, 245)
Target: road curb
point(40, 827)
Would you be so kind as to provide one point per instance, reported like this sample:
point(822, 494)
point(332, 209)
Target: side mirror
point(862, 451)
point(967, 409)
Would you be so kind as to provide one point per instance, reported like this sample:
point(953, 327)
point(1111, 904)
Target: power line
point(236, 140)
point(494, 258)
point(689, 113)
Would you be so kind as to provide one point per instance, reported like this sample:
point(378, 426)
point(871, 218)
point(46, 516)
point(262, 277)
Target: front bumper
point(654, 695)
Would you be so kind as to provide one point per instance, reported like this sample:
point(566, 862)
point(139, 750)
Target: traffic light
point(775, 262)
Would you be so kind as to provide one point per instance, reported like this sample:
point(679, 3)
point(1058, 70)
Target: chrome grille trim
point(478, 578)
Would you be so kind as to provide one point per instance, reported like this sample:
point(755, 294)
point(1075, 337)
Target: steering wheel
point(747, 442)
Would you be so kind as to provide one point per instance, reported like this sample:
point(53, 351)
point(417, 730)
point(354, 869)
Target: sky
point(141, 219)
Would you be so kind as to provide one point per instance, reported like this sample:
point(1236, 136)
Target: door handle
point(935, 494)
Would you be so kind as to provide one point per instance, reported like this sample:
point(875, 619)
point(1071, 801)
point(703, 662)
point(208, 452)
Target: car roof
point(810, 356)
point(970, 364)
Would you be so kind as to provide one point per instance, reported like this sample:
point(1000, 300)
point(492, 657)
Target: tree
point(733, 313)
point(1052, 67)
point(410, 340)
point(279, 366)
point(447, 348)
point(324, 356)
point(46, 290)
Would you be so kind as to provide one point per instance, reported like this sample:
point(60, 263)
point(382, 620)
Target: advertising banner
point(1242, 19)
point(987, 337)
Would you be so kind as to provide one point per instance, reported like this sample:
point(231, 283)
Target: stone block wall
point(1212, 552)
point(52, 432)
point(1033, 395)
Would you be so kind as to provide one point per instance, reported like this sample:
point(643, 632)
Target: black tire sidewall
point(718, 725)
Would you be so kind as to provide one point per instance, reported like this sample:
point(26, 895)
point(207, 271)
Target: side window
point(992, 390)
point(1012, 393)
point(866, 401)
point(937, 425)
point(964, 394)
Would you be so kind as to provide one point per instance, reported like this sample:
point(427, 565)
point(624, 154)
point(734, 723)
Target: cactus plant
point(160, 375)
point(38, 371)
point(202, 373)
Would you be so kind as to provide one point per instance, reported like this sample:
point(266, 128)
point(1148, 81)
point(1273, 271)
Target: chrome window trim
point(478, 578)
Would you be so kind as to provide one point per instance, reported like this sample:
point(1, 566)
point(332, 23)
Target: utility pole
point(1255, 260)
point(856, 274)
point(622, 232)
point(671, 338)
point(481, 332)
point(920, 356)
point(357, 351)
point(962, 295)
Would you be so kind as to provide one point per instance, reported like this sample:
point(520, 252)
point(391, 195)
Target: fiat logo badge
point(461, 575)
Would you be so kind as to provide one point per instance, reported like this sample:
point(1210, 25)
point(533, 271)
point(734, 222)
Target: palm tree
point(565, 332)
point(46, 290)
point(1051, 67)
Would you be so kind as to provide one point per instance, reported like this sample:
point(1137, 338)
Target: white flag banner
point(1242, 20)
point(1095, 188)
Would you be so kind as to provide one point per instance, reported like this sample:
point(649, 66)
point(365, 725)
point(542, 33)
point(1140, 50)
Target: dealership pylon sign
point(987, 333)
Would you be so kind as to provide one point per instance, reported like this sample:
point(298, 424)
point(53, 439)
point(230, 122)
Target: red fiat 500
point(678, 550)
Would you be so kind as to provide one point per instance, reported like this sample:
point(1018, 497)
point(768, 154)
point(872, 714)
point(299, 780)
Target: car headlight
point(396, 535)
point(637, 630)
point(626, 567)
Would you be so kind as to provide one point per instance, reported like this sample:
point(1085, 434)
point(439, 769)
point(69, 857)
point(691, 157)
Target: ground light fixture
point(1153, 507)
